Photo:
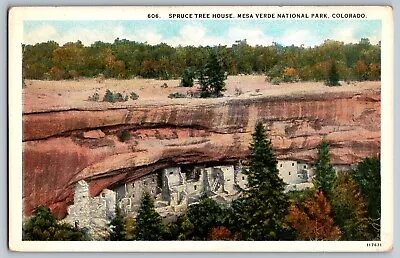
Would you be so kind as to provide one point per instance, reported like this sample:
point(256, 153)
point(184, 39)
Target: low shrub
point(134, 96)
point(94, 97)
point(276, 81)
point(109, 96)
point(176, 95)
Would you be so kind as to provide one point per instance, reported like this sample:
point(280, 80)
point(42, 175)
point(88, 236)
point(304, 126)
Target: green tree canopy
point(43, 226)
point(204, 216)
point(350, 209)
point(368, 175)
point(333, 75)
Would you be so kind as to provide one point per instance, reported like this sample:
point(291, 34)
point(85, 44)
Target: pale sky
point(204, 32)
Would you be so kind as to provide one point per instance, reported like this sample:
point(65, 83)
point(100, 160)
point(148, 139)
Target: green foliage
point(148, 221)
point(173, 231)
point(325, 174)
point(276, 81)
point(333, 75)
point(368, 176)
point(176, 95)
point(300, 196)
point(43, 226)
point(130, 224)
point(350, 209)
point(260, 212)
point(127, 59)
point(276, 73)
point(117, 226)
point(134, 96)
point(204, 216)
point(187, 78)
point(212, 77)
point(119, 97)
point(109, 96)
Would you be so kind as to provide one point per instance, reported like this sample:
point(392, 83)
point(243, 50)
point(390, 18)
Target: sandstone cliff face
point(64, 146)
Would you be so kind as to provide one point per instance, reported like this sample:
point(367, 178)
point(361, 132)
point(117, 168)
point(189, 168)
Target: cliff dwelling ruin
point(173, 190)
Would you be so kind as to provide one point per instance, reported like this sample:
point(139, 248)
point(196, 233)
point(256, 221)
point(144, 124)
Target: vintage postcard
point(210, 128)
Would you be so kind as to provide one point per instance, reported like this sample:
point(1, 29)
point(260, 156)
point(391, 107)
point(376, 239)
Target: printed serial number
point(374, 244)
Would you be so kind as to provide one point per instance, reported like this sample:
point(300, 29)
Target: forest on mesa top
point(126, 59)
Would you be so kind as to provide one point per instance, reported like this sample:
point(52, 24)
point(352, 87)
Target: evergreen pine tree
point(148, 221)
point(212, 77)
point(117, 225)
point(261, 211)
point(333, 75)
point(325, 174)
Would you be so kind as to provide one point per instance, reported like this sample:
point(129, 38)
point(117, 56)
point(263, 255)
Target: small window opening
point(290, 173)
point(292, 164)
point(103, 195)
point(242, 177)
point(281, 165)
point(171, 173)
point(305, 166)
point(195, 187)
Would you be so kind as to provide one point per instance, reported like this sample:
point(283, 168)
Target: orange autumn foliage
point(312, 220)
point(220, 233)
point(290, 71)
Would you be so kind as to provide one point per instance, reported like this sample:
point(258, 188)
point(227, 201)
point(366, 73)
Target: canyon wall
point(61, 147)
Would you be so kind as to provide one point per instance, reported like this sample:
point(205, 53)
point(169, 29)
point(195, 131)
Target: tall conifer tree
point(325, 174)
point(117, 225)
point(212, 77)
point(262, 209)
point(148, 221)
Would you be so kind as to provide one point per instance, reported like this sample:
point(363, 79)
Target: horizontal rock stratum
point(58, 151)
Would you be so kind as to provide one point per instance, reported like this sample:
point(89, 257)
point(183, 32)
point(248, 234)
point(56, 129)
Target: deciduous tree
point(43, 226)
point(313, 219)
point(204, 216)
point(350, 209)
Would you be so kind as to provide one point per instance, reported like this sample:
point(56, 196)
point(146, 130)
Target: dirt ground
point(39, 96)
